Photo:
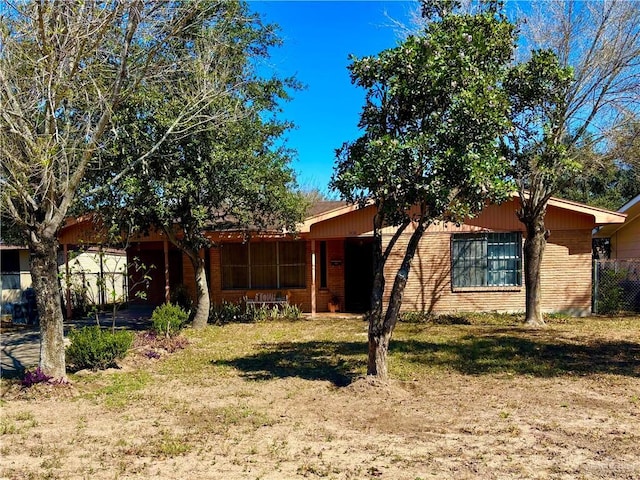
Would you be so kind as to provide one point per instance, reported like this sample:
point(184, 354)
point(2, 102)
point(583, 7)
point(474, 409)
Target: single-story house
point(475, 266)
point(624, 237)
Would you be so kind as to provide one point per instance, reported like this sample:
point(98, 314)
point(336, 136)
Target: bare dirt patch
point(289, 400)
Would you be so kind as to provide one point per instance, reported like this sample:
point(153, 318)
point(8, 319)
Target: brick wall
point(566, 278)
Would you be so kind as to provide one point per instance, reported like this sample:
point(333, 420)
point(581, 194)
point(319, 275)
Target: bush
point(291, 312)
point(227, 312)
point(610, 292)
point(168, 319)
point(265, 313)
point(94, 348)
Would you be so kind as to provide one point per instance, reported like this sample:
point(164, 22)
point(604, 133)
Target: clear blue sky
point(318, 37)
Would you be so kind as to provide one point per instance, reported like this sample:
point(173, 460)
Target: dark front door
point(358, 274)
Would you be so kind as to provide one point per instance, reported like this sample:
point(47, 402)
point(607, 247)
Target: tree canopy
point(68, 73)
point(433, 113)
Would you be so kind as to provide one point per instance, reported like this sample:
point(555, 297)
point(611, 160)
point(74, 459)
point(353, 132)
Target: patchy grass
point(471, 396)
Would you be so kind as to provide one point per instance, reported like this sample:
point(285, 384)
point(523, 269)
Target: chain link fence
point(616, 286)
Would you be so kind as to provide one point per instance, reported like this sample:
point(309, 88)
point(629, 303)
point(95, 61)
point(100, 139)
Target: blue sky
point(318, 37)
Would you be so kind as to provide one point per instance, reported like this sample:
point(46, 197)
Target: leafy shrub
point(94, 348)
point(264, 313)
point(35, 376)
point(416, 317)
point(227, 312)
point(291, 312)
point(610, 292)
point(168, 319)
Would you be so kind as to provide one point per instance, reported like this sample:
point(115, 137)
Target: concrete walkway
point(21, 343)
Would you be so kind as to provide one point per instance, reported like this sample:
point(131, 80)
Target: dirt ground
point(146, 421)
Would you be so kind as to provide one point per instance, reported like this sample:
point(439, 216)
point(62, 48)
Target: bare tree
point(65, 70)
point(600, 40)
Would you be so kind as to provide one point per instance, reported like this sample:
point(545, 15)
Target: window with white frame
point(267, 265)
point(486, 260)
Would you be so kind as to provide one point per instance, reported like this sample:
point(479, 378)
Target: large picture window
point(486, 260)
point(267, 265)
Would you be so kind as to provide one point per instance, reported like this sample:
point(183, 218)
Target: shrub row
point(228, 312)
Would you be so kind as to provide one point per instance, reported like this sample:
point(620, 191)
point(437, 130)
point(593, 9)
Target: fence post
point(595, 286)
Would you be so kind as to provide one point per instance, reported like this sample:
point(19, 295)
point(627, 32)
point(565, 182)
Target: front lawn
point(480, 397)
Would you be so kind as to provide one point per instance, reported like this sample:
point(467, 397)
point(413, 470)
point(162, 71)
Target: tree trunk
point(380, 330)
point(44, 275)
point(203, 302)
point(534, 246)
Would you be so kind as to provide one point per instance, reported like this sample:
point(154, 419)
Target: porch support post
point(167, 288)
point(67, 293)
point(313, 278)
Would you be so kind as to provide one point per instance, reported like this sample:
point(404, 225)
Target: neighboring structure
point(97, 276)
point(616, 279)
point(476, 266)
point(15, 278)
point(624, 237)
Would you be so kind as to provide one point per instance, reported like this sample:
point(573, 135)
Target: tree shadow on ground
point(541, 357)
point(341, 362)
point(336, 362)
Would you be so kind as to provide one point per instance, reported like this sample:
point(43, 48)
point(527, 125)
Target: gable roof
point(631, 210)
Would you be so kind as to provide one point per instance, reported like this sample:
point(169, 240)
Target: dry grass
point(481, 397)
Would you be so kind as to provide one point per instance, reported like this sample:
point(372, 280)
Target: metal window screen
point(486, 259)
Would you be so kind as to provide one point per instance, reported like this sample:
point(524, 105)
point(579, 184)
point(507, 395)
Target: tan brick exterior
point(566, 278)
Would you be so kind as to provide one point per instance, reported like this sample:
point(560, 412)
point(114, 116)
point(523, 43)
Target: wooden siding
point(502, 217)
point(625, 243)
point(566, 278)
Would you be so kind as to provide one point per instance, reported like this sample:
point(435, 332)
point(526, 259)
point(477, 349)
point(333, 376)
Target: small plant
point(334, 303)
point(168, 319)
point(227, 312)
point(36, 376)
point(291, 312)
point(95, 348)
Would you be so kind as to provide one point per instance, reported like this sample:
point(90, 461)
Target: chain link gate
point(616, 286)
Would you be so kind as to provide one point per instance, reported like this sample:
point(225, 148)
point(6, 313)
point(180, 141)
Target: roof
point(632, 211)
point(600, 215)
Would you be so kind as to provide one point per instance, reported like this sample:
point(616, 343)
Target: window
point(486, 260)
point(263, 265)
point(10, 267)
point(323, 264)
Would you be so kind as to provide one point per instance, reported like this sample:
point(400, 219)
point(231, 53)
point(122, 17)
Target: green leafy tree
point(608, 178)
point(227, 174)
point(433, 114)
point(538, 154)
point(599, 42)
point(66, 70)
